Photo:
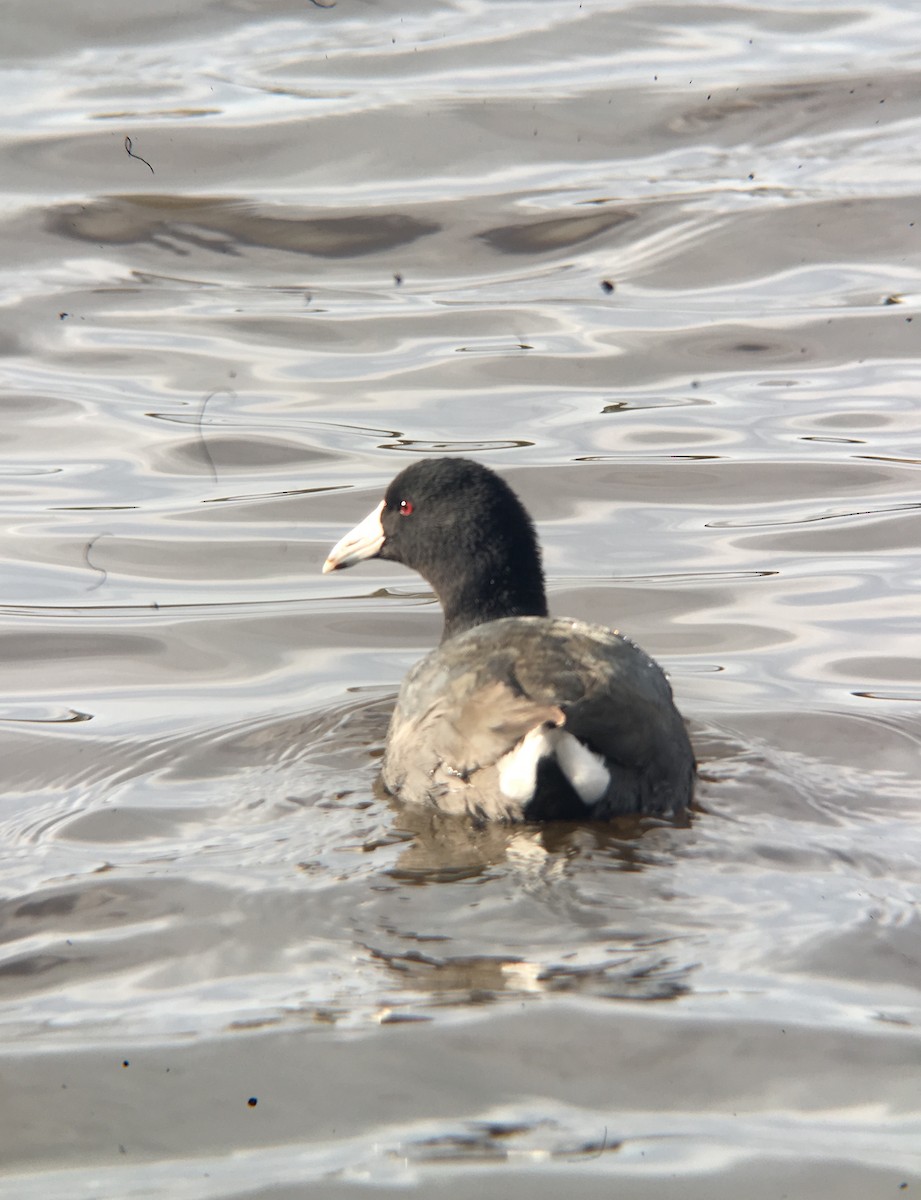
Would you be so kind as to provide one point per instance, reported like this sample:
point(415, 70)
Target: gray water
point(660, 265)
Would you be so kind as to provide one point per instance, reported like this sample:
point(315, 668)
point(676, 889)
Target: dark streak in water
point(72, 717)
point(247, 496)
point(157, 611)
point(593, 1152)
point(890, 695)
point(883, 510)
point(92, 566)
point(131, 154)
point(418, 446)
point(201, 432)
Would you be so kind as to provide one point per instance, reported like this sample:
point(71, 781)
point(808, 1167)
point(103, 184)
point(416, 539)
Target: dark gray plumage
point(516, 715)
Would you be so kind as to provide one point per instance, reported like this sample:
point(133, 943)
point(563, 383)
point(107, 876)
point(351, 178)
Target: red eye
point(406, 508)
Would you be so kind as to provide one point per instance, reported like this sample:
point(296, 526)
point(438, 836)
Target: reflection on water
point(177, 223)
point(658, 265)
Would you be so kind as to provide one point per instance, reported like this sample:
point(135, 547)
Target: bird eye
point(406, 508)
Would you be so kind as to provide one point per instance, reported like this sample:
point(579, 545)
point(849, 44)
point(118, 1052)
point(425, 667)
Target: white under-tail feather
point(585, 770)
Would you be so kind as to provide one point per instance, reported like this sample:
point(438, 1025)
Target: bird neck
point(496, 588)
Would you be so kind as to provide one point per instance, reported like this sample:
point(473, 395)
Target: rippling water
point(661, 266)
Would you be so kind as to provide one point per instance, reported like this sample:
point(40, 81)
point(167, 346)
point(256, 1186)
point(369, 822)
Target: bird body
point(515, 715)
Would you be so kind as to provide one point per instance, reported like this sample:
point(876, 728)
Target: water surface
point(659, 265)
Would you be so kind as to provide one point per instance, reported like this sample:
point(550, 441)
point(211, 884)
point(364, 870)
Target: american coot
point(516, 715)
